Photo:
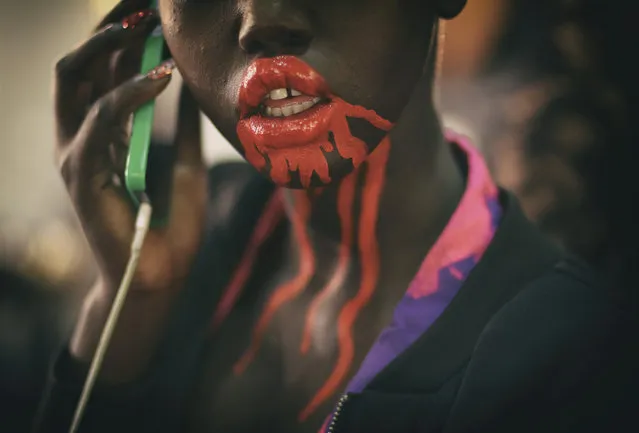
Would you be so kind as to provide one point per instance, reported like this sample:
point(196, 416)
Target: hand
point(96, 92)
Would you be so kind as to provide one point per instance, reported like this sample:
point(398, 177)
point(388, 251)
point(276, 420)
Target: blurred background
point(544, 87)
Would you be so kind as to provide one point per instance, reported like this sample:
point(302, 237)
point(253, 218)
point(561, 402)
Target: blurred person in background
point(240, 321)
point(551, 98)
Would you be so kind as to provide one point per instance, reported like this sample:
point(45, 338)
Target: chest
point(287, 351)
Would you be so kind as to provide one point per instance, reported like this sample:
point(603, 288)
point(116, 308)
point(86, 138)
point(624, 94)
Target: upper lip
point(266, 74)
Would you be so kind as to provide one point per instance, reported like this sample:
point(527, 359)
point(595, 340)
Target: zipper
point(339, 407)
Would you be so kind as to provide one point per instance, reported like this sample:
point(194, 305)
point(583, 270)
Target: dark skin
point(363, 49)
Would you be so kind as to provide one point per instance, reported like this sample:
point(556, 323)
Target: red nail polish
point(134, 19)
point(161, 71)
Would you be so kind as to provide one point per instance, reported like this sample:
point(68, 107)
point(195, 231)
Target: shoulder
point(570, 307)
point(545, 351)
point(563, 311)
point(567, 318)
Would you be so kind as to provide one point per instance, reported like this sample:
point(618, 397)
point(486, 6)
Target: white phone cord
point(142, 223)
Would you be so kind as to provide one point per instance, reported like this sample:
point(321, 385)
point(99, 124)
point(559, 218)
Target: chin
point(338, 169)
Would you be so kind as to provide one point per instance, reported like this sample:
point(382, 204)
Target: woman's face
point(304, 89)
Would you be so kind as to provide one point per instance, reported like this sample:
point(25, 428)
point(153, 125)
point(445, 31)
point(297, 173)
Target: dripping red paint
point(287, 291)
point(369, 254)
point(345, 199)
point(300, 141)
point(267, 222)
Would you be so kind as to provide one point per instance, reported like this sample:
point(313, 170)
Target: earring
point(439, 61)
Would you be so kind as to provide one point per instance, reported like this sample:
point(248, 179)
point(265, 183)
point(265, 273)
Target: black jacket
point(533, 342)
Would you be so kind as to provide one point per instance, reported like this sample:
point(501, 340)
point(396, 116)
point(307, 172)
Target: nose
point(274, 27)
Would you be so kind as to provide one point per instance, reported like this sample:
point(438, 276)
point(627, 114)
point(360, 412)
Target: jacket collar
point(518, 254)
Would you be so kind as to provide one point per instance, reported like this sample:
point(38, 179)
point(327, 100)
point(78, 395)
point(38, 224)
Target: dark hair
point(604, 89)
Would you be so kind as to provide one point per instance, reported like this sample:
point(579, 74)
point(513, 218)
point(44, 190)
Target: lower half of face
point(305, 103)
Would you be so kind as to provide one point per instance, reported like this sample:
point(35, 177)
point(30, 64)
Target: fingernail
point(134, 19)
point(161, 71)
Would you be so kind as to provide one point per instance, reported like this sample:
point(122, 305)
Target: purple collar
point(442, 273)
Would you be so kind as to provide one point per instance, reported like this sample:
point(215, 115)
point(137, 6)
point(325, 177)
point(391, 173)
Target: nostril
point(299, 42)
point(252, 46)
point(272, 41)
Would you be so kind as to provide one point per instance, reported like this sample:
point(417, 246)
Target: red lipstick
point(284, 72)
point(290, 119)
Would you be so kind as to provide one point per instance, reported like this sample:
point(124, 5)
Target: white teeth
point(290, 109)
point(306, 105)
point(278, 94)
point(287, 110)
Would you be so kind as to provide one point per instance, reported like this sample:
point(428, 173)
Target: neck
point(386, 216)
point(419, 185)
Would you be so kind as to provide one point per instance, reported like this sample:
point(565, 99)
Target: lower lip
point(290, 131)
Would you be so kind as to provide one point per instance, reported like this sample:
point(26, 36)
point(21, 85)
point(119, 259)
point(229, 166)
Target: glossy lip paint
point(267, 74)
point(299, 143)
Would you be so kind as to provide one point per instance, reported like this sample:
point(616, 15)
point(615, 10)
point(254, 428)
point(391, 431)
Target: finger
point(106, 41)
point(107, 219)
point(127, 62)
point(123, 9)
point(188, 134)
point(72, 71)
point(101, 71)
point(119, 150)
point(88, 168)
point(109, 116)
point(126, 12)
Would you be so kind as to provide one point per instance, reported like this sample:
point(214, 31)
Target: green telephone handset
point(137, 173)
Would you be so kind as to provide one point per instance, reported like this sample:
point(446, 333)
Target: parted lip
point(267, 74)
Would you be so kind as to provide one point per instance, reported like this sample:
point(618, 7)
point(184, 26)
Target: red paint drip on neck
point(273, 212)
point(369, 252)
point(345, 197)
point(289, 290)
point(325, 425)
